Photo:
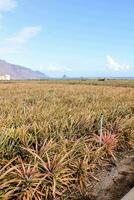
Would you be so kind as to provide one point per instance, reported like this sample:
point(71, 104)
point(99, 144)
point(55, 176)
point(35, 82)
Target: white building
point(5, 77)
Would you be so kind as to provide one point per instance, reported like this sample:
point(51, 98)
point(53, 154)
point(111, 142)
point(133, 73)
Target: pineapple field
point(58, 137)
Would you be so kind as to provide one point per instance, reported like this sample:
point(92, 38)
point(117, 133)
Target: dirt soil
point(115, 184)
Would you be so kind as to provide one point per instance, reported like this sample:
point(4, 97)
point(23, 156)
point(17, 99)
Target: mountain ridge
point(18, 72)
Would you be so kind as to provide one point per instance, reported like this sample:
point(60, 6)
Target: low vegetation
point(50, 136)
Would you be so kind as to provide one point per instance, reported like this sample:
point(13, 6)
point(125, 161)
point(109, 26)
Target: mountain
point(65, 76)
point(17, 72)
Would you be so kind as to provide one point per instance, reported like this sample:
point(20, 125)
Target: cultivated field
point(49, 136)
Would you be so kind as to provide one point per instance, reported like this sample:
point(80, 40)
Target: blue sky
point(73, 37)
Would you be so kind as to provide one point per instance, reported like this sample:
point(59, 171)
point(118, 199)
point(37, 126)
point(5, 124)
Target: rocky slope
point(19, 72)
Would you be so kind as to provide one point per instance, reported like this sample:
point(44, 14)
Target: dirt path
point(115, 184)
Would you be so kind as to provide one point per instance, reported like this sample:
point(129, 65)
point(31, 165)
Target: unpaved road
point(118, 182)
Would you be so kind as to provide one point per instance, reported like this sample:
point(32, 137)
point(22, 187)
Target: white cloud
point(7, 5)
point(16, 43)
point(8, 50)
point(57, 69)
point(114, 65)
point(24, 35)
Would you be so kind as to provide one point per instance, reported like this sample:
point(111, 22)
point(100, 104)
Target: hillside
point(19, 72)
